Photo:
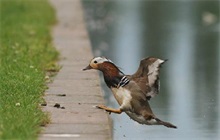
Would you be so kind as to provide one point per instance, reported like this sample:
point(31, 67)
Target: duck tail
point(167, 124)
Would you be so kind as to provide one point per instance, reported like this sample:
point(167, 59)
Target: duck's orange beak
point(87, 68)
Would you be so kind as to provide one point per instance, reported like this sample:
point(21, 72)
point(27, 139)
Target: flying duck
point(132, 92)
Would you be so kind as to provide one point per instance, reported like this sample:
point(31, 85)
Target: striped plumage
point(132, 92)
point(124, 81)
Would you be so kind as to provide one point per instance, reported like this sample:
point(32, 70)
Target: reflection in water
point(126, 35)
point(186, 33)
point(181, 65)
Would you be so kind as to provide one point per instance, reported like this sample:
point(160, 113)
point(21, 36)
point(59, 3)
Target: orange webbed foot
point(110, 110)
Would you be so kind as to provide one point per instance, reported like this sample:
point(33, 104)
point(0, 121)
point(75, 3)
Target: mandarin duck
point(132, 92)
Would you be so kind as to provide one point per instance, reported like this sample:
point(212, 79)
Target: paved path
point(79, 120)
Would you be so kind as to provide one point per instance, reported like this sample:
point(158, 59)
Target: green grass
point(25, 52)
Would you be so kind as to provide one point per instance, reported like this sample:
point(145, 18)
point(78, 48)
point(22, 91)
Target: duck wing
point(147, 76)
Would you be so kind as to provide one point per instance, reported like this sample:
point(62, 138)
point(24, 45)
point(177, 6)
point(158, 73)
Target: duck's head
point(97, 63)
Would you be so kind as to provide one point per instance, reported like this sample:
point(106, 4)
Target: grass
point(25, 53)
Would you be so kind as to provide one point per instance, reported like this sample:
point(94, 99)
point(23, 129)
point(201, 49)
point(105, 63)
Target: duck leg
point(110, 110)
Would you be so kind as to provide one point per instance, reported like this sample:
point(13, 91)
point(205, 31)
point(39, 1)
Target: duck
point(132, 92)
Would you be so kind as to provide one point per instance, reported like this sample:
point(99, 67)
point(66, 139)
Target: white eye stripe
point(101, 60)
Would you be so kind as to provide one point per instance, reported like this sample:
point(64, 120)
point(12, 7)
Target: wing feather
point(147, 76)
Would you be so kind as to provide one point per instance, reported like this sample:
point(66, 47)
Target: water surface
point(184, 32)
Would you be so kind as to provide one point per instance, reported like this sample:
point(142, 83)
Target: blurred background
point(184, 32)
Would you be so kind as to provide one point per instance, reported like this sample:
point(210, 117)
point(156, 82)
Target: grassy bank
point(25, 52)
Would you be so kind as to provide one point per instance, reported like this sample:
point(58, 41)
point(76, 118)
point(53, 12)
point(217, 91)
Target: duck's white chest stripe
point(123, 96)
point(124, 81)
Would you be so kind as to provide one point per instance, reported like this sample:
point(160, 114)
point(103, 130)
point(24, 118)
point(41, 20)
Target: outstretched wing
point(147, 76)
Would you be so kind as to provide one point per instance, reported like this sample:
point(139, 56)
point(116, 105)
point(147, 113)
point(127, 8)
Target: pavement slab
point(76, 92)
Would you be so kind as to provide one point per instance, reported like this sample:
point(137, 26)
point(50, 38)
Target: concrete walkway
point(74, 90)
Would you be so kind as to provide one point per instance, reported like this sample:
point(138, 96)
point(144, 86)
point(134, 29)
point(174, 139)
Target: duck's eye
point(95, 62)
